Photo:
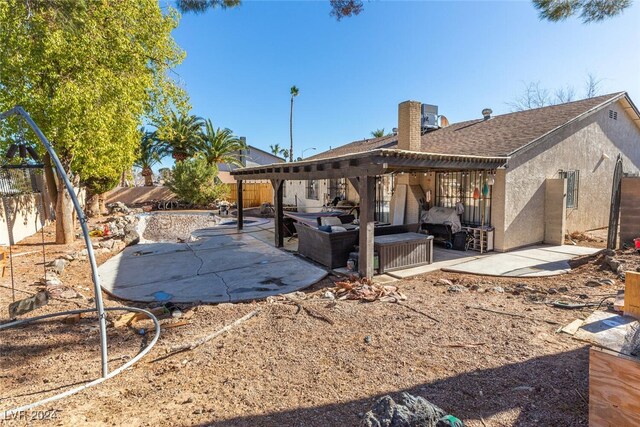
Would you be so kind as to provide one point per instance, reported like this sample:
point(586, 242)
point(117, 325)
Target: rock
point(367, 339)
point(457, 289)
point(329, 295)
point(131, 236)
point(552, 291)
point(411, 411)
point(51, 281)
point(444, 282)
point(474, 287)
point(68, 257)
point(118, 246)
point(593, 283)
point(108, 244)
point(58, 265)
point(609, 252)
point(563, 289)
point(497, 289)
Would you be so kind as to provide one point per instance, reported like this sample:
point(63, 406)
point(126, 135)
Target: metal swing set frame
point(99, 309)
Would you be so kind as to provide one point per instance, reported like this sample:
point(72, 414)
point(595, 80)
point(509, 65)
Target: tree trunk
point(64, 215)
point(93, 205)
point(101, 207)
point(52, 186)
point(148, 177)
point(291, 131)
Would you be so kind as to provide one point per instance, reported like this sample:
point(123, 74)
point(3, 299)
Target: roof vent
point(486, 113)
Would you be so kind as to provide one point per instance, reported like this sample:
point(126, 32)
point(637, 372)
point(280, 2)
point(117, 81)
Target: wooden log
point(614, 389)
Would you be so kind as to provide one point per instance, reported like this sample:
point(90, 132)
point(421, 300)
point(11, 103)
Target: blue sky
point(461, 56)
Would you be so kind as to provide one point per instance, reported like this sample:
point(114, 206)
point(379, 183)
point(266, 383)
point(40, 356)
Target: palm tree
point(148, 156)
point(221, 146)
point(180, 136)
point(275, 150)
point(294, 92)
point(378, 133)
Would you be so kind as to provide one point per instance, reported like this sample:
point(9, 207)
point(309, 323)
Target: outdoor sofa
point(332, 249)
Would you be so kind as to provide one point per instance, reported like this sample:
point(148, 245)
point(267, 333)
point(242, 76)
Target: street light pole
point(306, 149)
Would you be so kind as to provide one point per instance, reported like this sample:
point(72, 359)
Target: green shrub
point(194, 181)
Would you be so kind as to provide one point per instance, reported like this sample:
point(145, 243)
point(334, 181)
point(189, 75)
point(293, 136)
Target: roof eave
point(573, 120)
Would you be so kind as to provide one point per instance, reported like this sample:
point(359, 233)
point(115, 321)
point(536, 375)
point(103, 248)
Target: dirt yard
point(321, 362)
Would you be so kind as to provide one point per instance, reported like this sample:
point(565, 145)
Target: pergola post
point(279, 213)
point(367, 191)
point(240, 205)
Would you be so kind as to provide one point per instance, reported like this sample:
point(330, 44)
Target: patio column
point(279, 228)
point(367, 192)
point(240, 205)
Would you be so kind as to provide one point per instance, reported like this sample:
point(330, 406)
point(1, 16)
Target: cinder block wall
point(629, 210)
point(22, 215)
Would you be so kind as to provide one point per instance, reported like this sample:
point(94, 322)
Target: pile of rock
point(54, 287)
point(118, 207)
point(409, 412)
point(124, 228)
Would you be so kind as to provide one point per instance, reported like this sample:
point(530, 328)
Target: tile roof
point(499, 136)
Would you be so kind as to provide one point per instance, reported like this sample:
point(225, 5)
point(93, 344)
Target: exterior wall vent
point(613, 115)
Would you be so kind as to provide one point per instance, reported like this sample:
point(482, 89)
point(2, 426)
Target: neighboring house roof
point(225, 177)
point(253, 157)
point(501, 135)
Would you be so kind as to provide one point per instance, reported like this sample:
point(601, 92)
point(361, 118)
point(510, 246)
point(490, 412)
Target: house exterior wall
point(578, 146)
point(296, 192)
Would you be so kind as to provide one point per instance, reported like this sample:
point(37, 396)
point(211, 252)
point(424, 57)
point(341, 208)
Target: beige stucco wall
point(579, 146)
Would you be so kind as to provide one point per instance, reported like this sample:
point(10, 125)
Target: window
point(384, 184)
point(313, 189)
point(573, 182)
point(337, 188)
point(454, 187)
point(613, 115)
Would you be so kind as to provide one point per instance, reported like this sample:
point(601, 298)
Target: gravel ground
point(323, 365)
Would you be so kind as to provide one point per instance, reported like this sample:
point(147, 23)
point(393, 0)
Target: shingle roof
point(499, 136)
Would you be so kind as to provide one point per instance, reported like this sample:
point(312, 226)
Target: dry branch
point(199, 342)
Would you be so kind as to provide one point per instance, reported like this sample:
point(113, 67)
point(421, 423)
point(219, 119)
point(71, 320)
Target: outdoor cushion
point(330, 220)
point(336, 228)
point(326, 228)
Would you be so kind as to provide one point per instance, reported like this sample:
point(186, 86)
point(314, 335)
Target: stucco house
point(555, 177)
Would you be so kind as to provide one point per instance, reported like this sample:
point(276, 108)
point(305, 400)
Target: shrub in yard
point(194, 181)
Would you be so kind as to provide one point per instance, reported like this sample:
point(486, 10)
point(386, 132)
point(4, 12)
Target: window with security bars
point(573, 183)
point(313, 189)
point(454, 187)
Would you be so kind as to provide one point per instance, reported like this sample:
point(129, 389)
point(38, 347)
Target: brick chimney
point(409, 125)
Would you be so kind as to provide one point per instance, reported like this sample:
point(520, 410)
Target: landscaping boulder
point(412, 411)
point(131, 236)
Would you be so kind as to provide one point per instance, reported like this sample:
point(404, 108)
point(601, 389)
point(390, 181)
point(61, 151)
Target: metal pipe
point(17, 110)
point(7, 413)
